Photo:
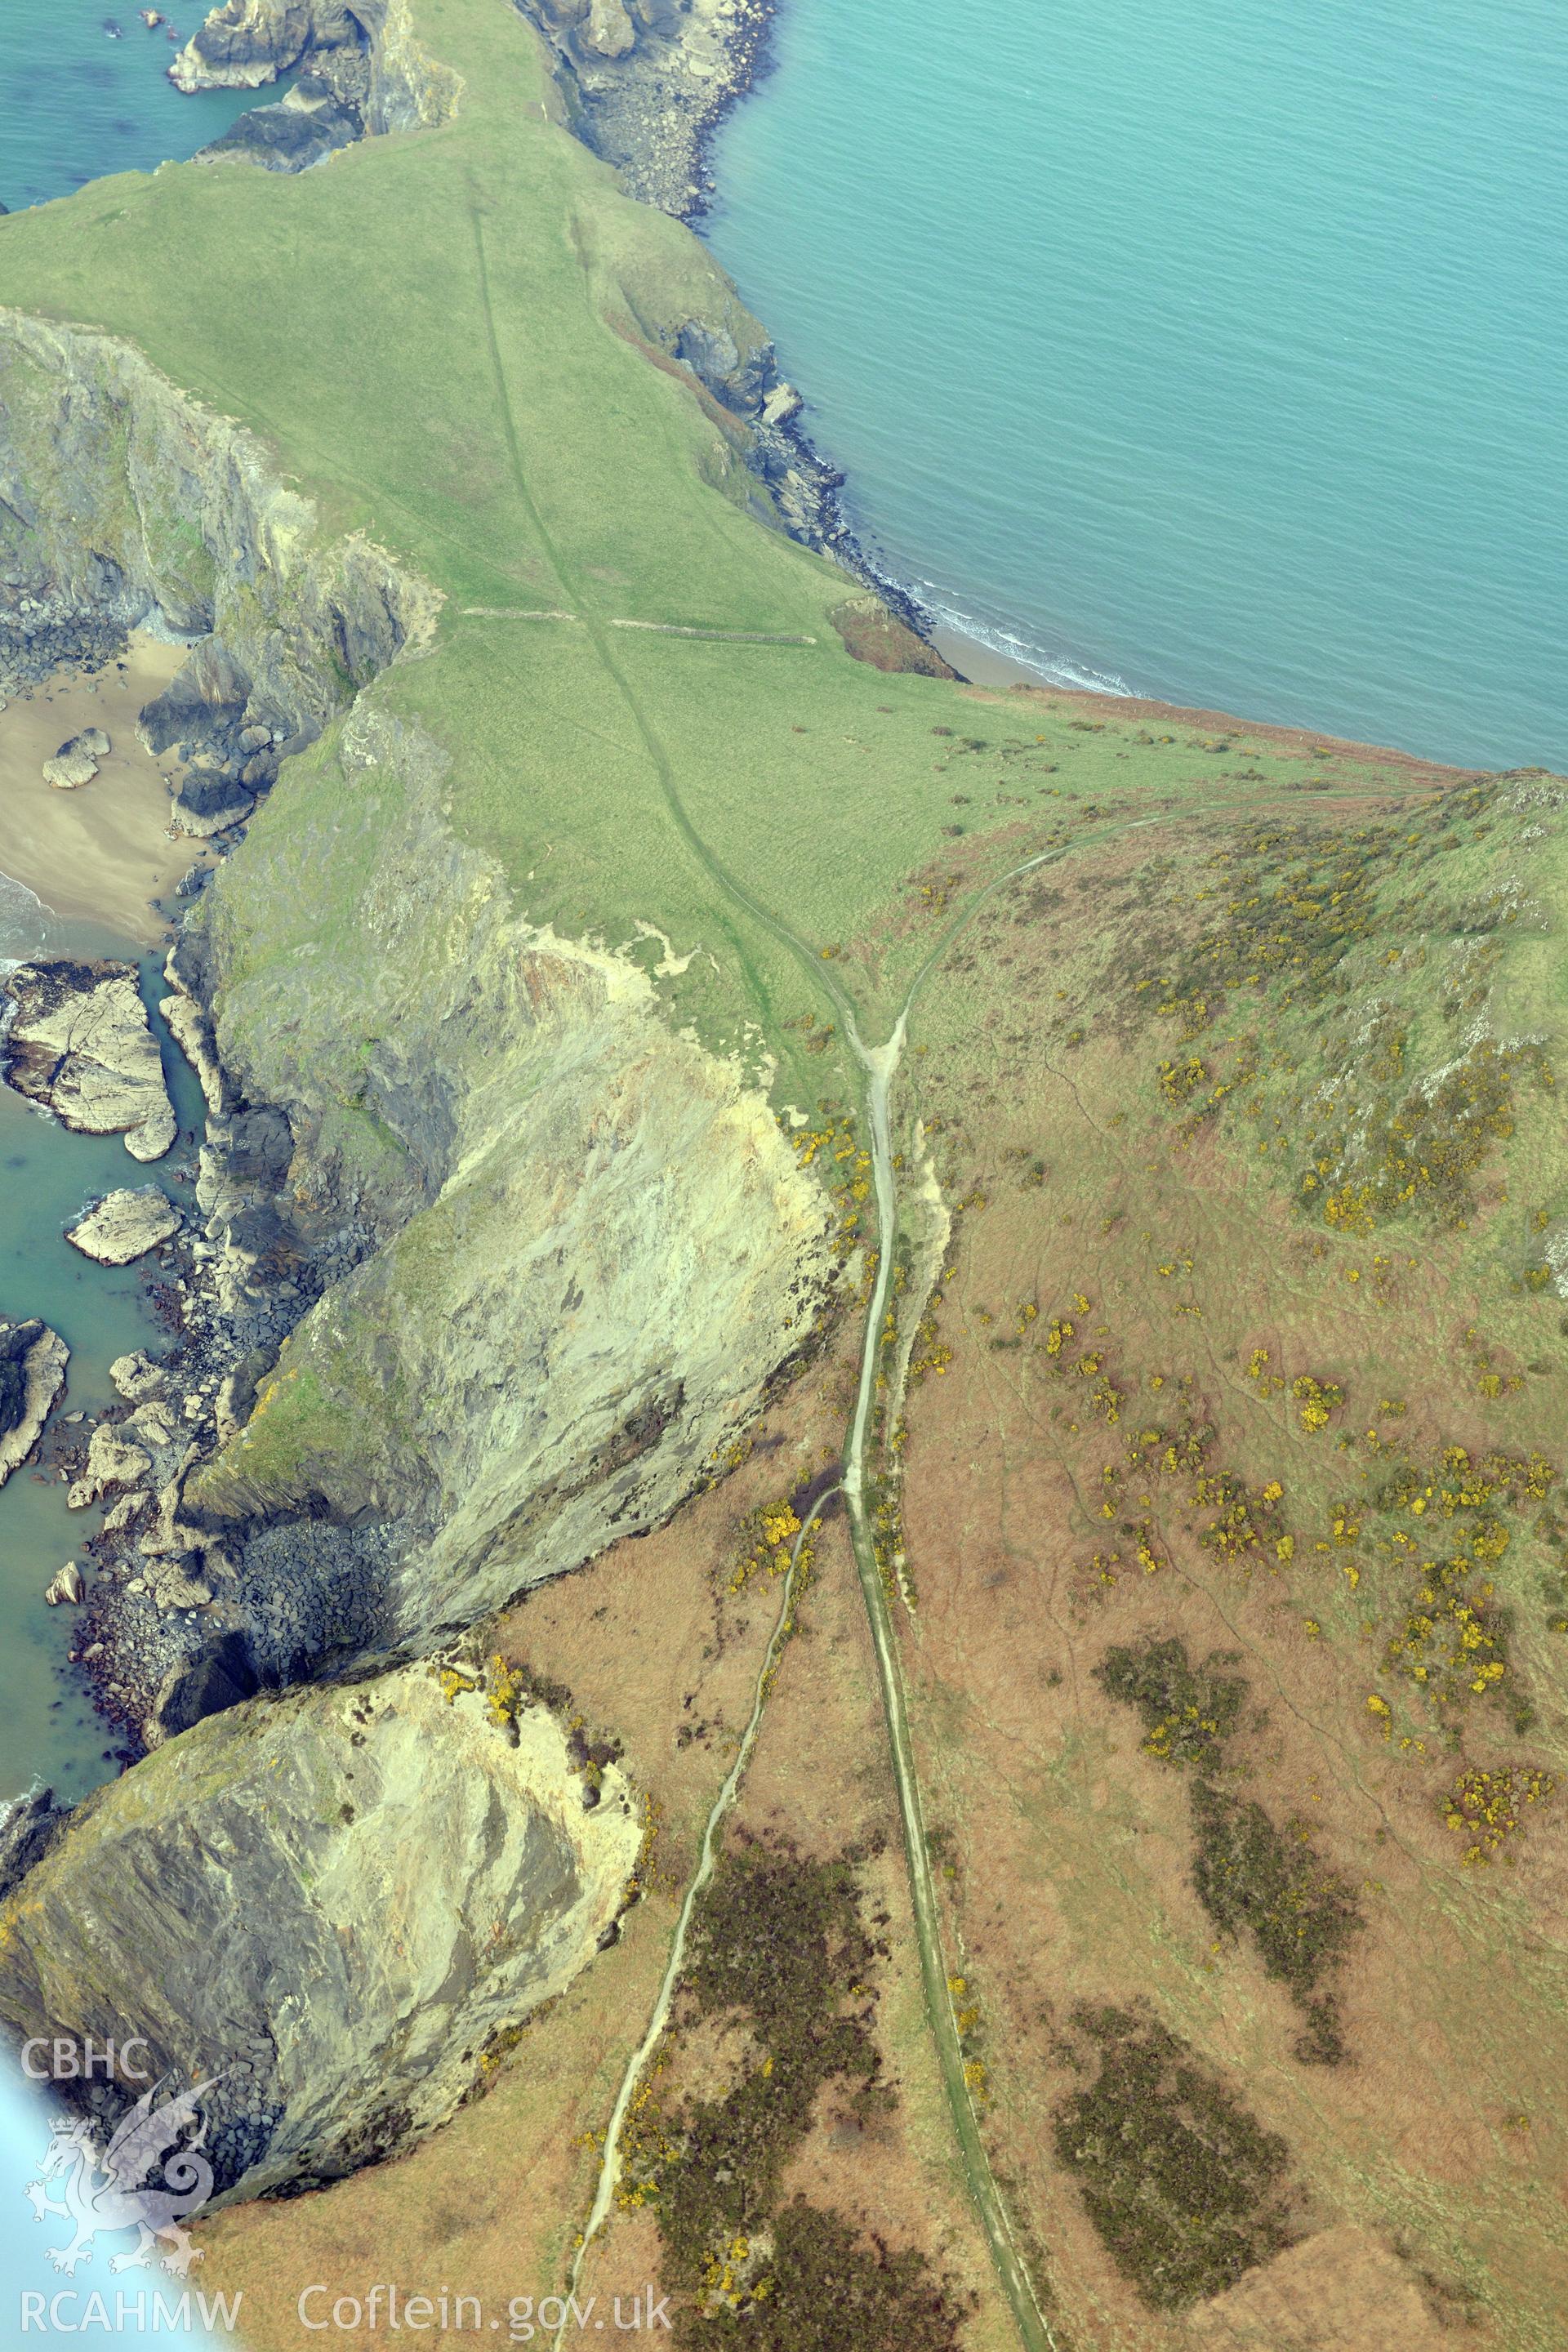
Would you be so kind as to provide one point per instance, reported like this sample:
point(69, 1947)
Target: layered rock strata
point(416, 1850)
point(361, 73)
point(123, 1226)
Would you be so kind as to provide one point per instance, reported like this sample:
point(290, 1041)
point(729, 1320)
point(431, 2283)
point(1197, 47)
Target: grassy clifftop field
point(1216, 1441)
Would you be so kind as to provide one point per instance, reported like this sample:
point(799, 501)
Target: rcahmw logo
point(65, 2060)
point(151, 2177)
point(69, 2312)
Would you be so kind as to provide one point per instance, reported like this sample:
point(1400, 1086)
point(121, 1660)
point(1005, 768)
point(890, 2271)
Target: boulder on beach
point(80, 1045)
point(112, 1460)
point(281, 1937)
point(66, 1586)
point(200, 824)
point(76, 761)
point(32, 1360)
point(138, 1377)
point(125, 1226)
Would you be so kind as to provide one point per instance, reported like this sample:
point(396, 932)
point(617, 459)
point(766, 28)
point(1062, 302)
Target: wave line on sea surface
point(1055, 669)
point(24, 923)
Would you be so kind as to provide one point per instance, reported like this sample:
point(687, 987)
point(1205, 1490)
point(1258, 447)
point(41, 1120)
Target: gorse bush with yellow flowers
point(1284, 989)
point(1487, 1809)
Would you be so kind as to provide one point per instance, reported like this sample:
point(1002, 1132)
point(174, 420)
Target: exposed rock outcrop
point(125, 1226)
point(192, 1030)
point(547, 1320)
point(113, 1459)
point(138, 1377)
point(647, 82)
point(28, 1827)
point(76, 761)
point(362, 74)
point(544, 1257)
point(32, 1360)
point(80, 1043)
point(329, 1902)
point(123, 501)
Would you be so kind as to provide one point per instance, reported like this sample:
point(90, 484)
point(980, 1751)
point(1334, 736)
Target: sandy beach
point(102, 852)
point(979, 663)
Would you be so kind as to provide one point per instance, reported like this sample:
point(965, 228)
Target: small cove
point(79, 104)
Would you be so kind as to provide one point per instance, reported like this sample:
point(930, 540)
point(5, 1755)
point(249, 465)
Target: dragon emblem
point(109, 2189)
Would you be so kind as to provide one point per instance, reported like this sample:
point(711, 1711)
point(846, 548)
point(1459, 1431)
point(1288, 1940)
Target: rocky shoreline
point(374, 1233)
point(647, 90)
point(644, 86)
point(191, 1607)
point(647, 86)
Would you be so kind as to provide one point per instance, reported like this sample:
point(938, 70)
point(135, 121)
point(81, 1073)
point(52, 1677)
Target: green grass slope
point(1252, 1091)
point(445, 336)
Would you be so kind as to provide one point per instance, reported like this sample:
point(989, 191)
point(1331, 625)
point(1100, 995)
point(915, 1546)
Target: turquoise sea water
point(76, 104)
point(1220, 351)
point(49, 1731)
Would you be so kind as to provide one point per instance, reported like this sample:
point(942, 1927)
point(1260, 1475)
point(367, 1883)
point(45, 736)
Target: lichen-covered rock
point(112, 1460)
point(138, 1377)
point(80, 1045)
point(329, 1902)
point(32, 1360)
point(125, 1226)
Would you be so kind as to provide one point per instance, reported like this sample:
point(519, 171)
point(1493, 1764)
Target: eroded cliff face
point(123, 498)
point(588, 1248)
point(645, 81)
point(540, 1256)
point(324, 1907)
point(491, 1265)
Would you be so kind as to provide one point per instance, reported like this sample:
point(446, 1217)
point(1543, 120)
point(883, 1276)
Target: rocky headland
point(643, 85)
point(454, 1310)
point(646, 83)
point(326, 1908)
point(360, 73)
